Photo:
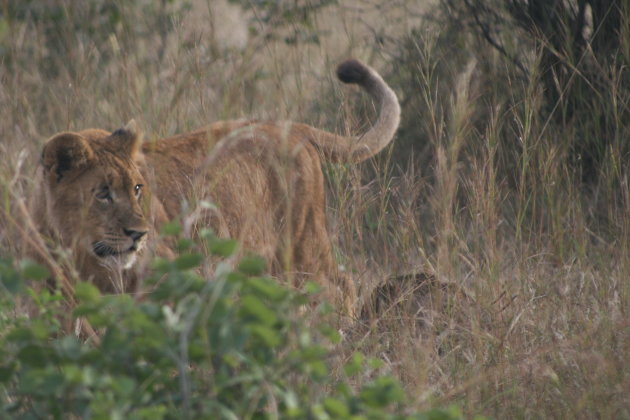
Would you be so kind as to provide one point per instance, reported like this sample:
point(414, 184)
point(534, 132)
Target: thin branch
point(488, 37)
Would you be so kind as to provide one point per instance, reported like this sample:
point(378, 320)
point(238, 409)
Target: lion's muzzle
point(131, 242)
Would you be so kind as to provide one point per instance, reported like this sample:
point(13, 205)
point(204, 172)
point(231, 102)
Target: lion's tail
point(353, 149)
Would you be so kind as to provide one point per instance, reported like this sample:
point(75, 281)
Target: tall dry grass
point(509, 277)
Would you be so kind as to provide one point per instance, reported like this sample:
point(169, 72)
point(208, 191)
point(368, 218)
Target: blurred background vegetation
point(507, 183)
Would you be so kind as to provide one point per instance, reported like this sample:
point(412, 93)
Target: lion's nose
point(135, 234)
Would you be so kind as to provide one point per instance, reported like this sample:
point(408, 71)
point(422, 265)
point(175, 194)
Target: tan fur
point(265, 179)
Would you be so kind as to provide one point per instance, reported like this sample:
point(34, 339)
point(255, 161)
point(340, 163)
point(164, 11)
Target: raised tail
point(353, 149)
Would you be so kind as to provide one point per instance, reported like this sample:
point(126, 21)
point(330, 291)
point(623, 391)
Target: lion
point(103, 195)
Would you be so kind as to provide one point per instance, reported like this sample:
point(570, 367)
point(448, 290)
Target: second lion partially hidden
point(104, 194)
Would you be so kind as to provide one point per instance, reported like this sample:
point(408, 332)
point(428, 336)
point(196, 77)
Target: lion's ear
point(64, 153)
point(129, 139)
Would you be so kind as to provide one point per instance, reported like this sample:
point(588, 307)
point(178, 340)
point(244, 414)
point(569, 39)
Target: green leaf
point(231, 360)
point(318, 369)
point(222, 247)
point(123, 386)
point(171, 229)
point(451, 413)
point(99, 319)
point(382, 392)
point(68, 347)
point(268, 288)
point(312, 288)
point(32, 270)
point(207, 234)
point(161, 264)
point(20, 335)
point(36, 331)
point(268, 335)
point(9, 278)
point(253, 265)
point(330, 333)
point(375, 363)
point(157, 412)
point(6, 372)
point(355, 365)
point(291, 401)
point(44, 382)
point(188, 261)
point(34, 355)
point(72, 373)
point(87, 292)
point(336, 409)
point(254, 307)
point(236, 278)
point(184, 244)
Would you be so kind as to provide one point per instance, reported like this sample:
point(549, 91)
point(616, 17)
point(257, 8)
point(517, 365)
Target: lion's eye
point(138, 189)
point(104, 194)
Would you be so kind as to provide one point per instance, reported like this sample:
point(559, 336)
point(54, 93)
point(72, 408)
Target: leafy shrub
point(526, 53)
point(232, 346)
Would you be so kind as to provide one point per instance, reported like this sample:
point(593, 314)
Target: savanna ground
point(512, 202)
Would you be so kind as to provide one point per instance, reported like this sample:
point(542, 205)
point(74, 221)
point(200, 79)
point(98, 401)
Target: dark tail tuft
point(353, 71)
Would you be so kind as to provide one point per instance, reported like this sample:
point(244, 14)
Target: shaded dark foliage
point(582, 64)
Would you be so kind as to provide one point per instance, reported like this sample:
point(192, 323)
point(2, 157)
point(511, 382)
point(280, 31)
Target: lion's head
point(96, 197)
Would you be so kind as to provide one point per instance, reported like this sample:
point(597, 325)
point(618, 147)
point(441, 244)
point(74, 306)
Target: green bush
point(233, 346)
